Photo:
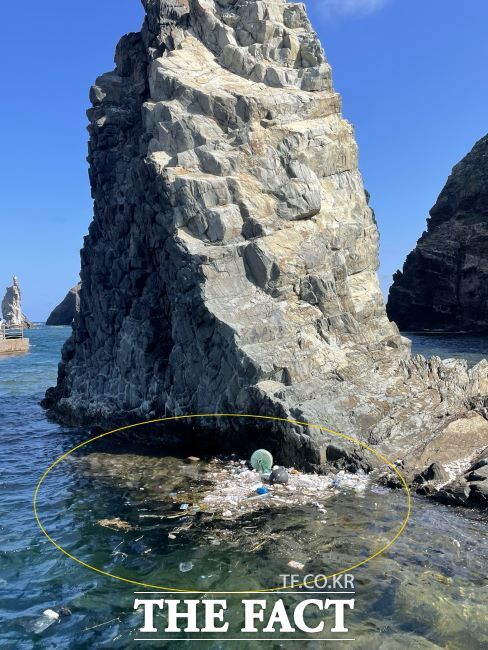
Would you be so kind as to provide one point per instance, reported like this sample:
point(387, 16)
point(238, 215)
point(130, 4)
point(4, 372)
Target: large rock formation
point(12, 307)
point(231, 263)
point(65, 312)
point(444, 283)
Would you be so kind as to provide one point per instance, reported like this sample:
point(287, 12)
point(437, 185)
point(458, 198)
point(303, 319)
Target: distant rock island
point(231, 263)
point(65, 312)
point(444, 282)
point(12, 313)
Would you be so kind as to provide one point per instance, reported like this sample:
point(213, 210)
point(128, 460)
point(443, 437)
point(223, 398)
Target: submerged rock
point(65, 312)
point(12, 306)
point(444, 282)
point(231, 263)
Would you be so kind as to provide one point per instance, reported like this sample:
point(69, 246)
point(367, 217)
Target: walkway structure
point(12, 339)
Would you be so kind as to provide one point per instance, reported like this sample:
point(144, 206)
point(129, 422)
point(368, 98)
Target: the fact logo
point(289, 613)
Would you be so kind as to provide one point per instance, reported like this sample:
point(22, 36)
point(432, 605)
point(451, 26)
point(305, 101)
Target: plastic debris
point(262, 491)
point(233, 491)
point(296, 565)
point(115, 524)
point(262, 461)
point(186, 566)
point(279, 475)
point(356, 482)
point(94, 627)
point(65, 611)
point(48, 617)
point(184, 506)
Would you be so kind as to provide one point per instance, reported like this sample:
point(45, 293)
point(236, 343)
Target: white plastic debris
point(186, 566)
point(48, 617)
point(233, 490)
point(293, 564)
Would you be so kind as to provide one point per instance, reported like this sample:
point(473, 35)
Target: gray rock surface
point(68, 308)
point(444, 282)
point(12, 306)
point(469, 489)
point(231, 262)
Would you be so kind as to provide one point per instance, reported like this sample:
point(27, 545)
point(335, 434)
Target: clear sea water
point(455, 346)
point(429, 590)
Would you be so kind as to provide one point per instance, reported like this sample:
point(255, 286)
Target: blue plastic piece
point(262, 490)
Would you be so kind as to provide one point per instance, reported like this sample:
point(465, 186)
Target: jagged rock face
point(12, 306)
point(444, 283)
point(68, 308)
point(231, 263)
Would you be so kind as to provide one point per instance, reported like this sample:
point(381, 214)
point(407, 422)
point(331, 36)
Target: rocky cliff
point(231, 262)
point(12, 312)
point(444, 283)
point(68, 308)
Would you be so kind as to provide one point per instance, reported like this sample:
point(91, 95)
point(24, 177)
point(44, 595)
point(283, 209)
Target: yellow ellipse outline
point(239, 415)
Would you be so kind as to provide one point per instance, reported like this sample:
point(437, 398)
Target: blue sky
point(412, 74)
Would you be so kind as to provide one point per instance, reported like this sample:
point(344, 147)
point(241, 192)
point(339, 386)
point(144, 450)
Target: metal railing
point(11, 332)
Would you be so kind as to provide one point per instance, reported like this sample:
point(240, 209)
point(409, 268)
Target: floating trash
point(279, 475)
point(65, 611)
point(115, 524)
point(186, 566)
point(48, 617)
point(296, 565)
point(262, 461)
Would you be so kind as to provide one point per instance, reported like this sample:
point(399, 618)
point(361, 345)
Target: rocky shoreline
point(231, 262)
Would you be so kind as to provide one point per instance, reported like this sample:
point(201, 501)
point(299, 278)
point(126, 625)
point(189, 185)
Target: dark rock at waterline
point(479, 474)
point(335, 453)
point(427, 489)
point(454, 494)
point(469, 490)
point(444, 282)
point(434, 472)
point(479, 493)
point(482, 462)
point(65, 312)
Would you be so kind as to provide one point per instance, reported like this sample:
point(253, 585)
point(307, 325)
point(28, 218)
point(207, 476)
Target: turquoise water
point(428, 591)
